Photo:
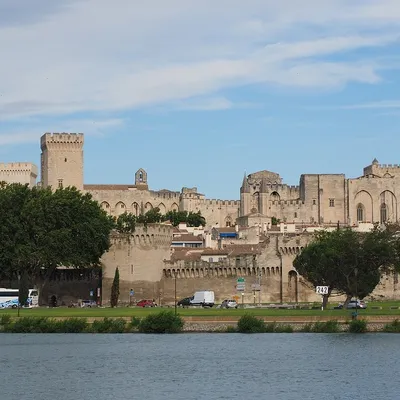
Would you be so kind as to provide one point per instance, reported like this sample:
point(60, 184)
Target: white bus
point(9, 298)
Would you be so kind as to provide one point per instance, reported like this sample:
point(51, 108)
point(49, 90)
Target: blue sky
point(197, 93)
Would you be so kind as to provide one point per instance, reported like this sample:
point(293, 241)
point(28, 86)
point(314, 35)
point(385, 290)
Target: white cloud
point(97, 55)
point(384, 104)
point(29, 134)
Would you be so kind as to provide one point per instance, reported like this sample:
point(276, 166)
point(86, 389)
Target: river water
point(199, 366)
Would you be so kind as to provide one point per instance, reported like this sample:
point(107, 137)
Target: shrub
point(270, 327)
point(393, 327)
point(5, 319)
point(307, 327)
point(162, 322)
point(284, 329)
point(32, 325)
point(109, 325)
point(73, 325)
point(326, 327)
point(358, 326)
point(250, 324)
point(135, 323)
point(231, 329)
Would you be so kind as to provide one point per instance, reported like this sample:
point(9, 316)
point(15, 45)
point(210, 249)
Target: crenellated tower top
point(62, 160)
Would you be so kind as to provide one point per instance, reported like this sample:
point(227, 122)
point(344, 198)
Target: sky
point(198, 93)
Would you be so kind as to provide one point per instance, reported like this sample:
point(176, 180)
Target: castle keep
point(240, 239)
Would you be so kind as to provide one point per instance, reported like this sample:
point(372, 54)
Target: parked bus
point(9, 298)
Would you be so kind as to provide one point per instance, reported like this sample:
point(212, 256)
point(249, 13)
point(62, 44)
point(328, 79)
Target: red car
point(146, 303)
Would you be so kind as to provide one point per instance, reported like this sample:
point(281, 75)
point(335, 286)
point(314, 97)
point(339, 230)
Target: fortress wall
point(140, 260)
point(19, 172)
point(116, 202)
point(371, 193)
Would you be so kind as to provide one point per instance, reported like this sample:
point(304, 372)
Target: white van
point(205, 298)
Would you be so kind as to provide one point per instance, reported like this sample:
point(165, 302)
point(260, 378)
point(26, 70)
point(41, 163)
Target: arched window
point(360, 213)
point(383, 213)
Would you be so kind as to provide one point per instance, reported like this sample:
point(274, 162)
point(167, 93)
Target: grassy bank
point(377, 309)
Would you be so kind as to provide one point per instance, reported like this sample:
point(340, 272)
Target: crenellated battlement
point(386, 166)
point(218, 202)
point(145, 236)
point(18, 167)
point(58, 140)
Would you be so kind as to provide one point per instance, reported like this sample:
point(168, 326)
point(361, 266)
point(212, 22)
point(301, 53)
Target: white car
point(229, 304)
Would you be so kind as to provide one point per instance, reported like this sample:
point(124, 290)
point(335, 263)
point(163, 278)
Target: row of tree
point(126, 223)
point(350, 263)
point(41, 229)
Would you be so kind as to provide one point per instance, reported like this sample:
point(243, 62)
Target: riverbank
point(167, 322)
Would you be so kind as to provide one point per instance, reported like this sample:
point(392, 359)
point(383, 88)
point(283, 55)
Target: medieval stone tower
point(62, 160)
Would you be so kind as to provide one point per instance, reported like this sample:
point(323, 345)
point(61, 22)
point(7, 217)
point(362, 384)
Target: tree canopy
point(349, 262)
point(126, 222)
point(41, 229)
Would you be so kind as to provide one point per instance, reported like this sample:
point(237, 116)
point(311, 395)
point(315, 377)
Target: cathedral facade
point(319, 199)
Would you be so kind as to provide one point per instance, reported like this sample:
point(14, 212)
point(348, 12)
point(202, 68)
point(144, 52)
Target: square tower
point(62, 160)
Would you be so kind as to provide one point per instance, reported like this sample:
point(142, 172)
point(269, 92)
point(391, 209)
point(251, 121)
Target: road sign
point(256, 287)
point(322, 290)
point(91, 293)
point(240, 284)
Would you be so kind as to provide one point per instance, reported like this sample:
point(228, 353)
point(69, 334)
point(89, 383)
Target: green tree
point(23, 289)
point(349, 262)
point(126, 223)
point(275, 221)
point(115, 289)
point(41, 230)
point(191, 218)
point(195, 219)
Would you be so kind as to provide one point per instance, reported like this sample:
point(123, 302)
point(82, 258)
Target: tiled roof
point(187, 238)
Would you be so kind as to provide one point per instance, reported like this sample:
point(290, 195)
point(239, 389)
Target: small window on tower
point(60, 183)
point(65, 159)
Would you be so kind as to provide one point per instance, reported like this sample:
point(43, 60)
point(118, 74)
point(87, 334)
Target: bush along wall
point(163, 322)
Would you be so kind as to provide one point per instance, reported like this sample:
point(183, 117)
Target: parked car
point(353, 304)
point(88, 304)
point(146, 303)
point(184, 302)
point(229, 304)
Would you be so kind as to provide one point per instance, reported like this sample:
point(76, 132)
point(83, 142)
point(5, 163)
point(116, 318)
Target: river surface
point(199, 366)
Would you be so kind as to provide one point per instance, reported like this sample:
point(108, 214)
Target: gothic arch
point(274, 196)
point(106, 207)
point(162, 208)
point(228, 221)
point(388, 206)
point(174, 207)
point(135, 208)
point(120, 208)
point(364, 197)
point(360, 212)
point(148, 206)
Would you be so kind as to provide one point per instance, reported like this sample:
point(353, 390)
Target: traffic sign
point(322, 290)
point(256, 287)
point(240, 284)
